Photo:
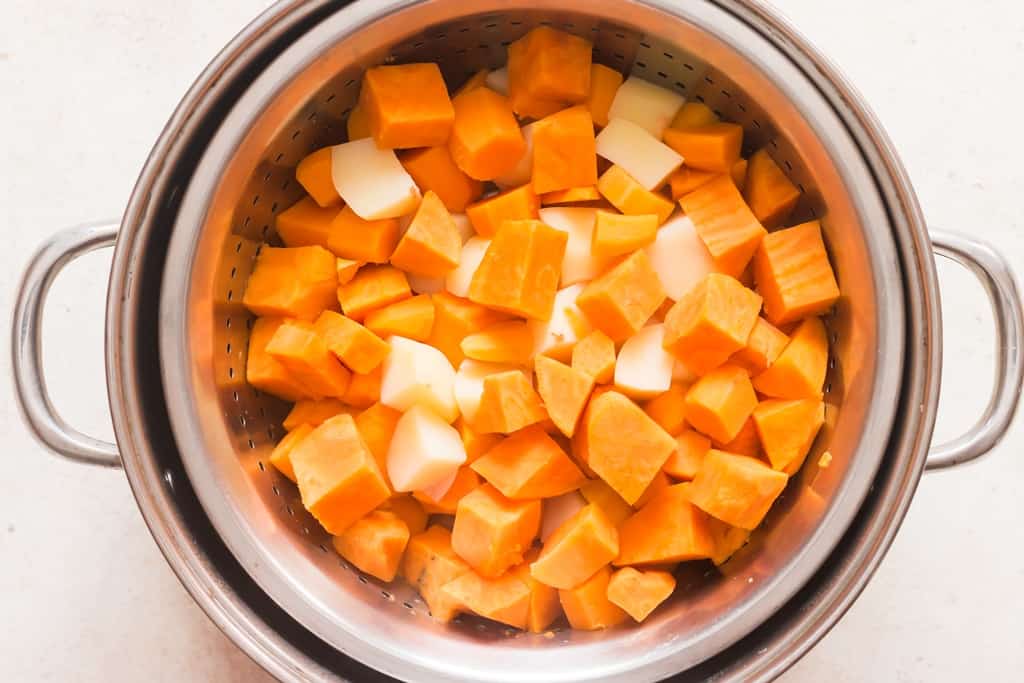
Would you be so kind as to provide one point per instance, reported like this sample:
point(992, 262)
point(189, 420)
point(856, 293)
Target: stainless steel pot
point(193, 437)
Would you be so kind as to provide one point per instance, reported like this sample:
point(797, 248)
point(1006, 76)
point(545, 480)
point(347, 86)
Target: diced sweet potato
point(793, 274)
point(564, 390)
point(430, 564)
point(711, 147)
point(314, 174)
point(304, 353)
point(373, 287)
point(711, 322)
point(313, 413)
point(305, 224)
point(337, 475)
point(412, 318)
point(548, 69)
point(630, 197)
point(280, 457)
point(623, 299)
point(477, 80)
point(625, 447)
point(692, 115)
point(454, 319)
point(616, 234)
point(686, 180)
point(296, 282)
point(363, 389)
point(505, 599)
point(764, 345)
point(738, 172)
point(564, 155)
point(266, 373)
point(374, 544)
point(728, 540)
point(529, 464)
point(491, 532)
point(476, 443)
point(600, 494)
point(465, 481)
point(746, 442)
point(787, 430)
point(595, 356)
point(544, 605)
point(720, 402)
point(691, 447)
point(520, 270)
point(358, 124)
point(639, 592)
point(725, 223)
point(505, 342)
point(409, 510)
point(376, 426)
point(669, 409)
point(660, 482)
point(587, 606)
point(668, 529)
point(573, 195)
point(508, 403)
point(770, 194)
point(430, 246)
point(434, 170)
point(346, 269)
point(407, 105)
point(579, 547)
point(487, 215)
point(736, 489)
point(354, 238)
point(354, 345)
point(799, 371)
point(486, 141)
point(604, 83)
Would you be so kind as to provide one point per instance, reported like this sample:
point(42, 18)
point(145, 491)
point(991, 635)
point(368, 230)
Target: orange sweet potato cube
point(410, 318)
point(547, 67)
point(465, 481)
point(564, 390)
point(304, 353)
point(510, 341)
point(347, 269)
point(725, 223)
point(770, 194)
point(668, 409)
point(746, 442)
point(374, 544)
point(787, 430)
point(691, 447)
point(793, 274)
point(430, 564)
point(623, 299)
point(454, 319)
point(660, 482)
point(711, 322)
point(487, 215)
point(505, 599)
point(430, 246)
point(434, 170)
point(720, 402)
point(520, 269)
point(477, 80)
point(296, 282)
point(354, 345)
point(764, 345)
point(529, 464)
point(358, 239)
point(305, 224)
point(799, 371)
point(281, 456)
point(573, 195)
point(407, 105)
point(694, 115)
point(639, 592)
point(486, 141)
point(314, 174)
point(595, 356)
point(711, 147)
point(376, 426)
point(266, 373)
point(668, 529)
point(312, 412)
point(373, 287)
point(337, 476)
point(357, 125)
point(736, 489)
point(587, 606)
point(630, 197)
point(544, 605)
point(564, 151)
point(728, 540)
point(508, 403)
point(409, 510)
point(625, 447)
point(600, 494)
point(604, 83)
point(363, 388)
point(491, 532)
point(475, 443)
point(581, 546)
point(616, 234)
point(685, 180)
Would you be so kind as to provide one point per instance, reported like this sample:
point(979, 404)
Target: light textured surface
point(87, 86)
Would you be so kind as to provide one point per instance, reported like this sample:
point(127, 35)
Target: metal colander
point(207, 202)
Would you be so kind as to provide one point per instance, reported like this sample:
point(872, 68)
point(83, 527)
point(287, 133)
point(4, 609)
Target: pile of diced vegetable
point(536, 366)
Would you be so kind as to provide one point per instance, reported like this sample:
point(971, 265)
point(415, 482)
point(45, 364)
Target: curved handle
point(996, 276)
point(26, 346)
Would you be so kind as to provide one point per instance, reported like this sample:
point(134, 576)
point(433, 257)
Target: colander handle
point(26, 346)
point(996, 276)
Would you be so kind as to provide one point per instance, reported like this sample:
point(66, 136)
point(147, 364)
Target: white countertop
point(85, 594)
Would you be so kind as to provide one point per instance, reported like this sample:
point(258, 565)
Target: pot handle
point(26, 346)
point(996, 276)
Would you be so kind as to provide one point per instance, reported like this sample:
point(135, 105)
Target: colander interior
point(300, 104)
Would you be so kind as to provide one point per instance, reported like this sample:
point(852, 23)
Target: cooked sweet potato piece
point(305, 354)
point(407, 105)
point(787, 430)
point(354, 345)
point(691, 447)
point(639, 592)
point(579, 547)
point(505, 342)
point(793, 274)
point(564, 154)
point(434, 170)
point(505, 599)
point(488, 214)
point(280, 457)
point(668, 529)
point(564, 390)
point(770, 194)
point(800, 369)
point(595, 356)
point(305, 224)
point(486, 141)
point(711, 147)
point(508, 404)
point(412, 318)
point(373, 287)
point(409, 510)
point(630, 197)
point(430, 564)
point(430, 246)
point(313, 412)
point(528, 465)
point(720, 402)
point(374, 544)
point(669, 409)
point(587, 605)
point(724, 221)
point(314, 174)
point(491, 532)
point(376, 426)
point(736, 489)
point(266, 373)
point(358, 239)
point(764, 345)
point(547, 70)
point(296, 282)
point(454, 319)
point(465, 481)
point(622, 300)
point(604, 83)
